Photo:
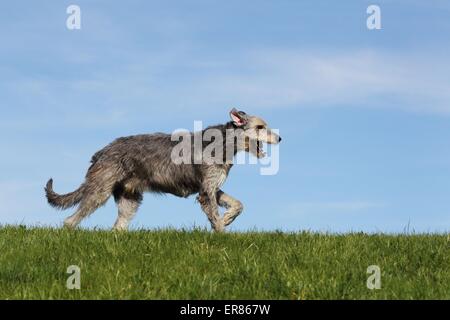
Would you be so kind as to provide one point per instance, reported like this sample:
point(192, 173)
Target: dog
point(130, 166)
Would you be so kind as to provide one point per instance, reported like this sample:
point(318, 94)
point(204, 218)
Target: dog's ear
point(239, 118)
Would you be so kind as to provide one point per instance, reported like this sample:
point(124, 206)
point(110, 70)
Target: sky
point(364, 114)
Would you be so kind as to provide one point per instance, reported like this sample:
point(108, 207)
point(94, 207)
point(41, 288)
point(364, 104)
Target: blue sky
point(364, 115)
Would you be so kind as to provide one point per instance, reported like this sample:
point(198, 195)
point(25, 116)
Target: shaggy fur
point(130, 166)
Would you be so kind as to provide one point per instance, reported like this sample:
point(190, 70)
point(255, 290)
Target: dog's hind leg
point(88, 205)
point(234, 207)
point(128, 203)
point(99, 187)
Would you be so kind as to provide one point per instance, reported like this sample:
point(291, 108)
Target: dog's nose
point(279, 139)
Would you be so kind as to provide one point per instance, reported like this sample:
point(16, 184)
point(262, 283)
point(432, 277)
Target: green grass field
point(197, 264)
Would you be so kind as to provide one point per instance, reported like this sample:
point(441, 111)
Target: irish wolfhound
point(129, 166)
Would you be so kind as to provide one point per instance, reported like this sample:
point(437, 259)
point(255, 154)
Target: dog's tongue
point(260, 151)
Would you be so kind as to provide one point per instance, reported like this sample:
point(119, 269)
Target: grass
point(197, 264)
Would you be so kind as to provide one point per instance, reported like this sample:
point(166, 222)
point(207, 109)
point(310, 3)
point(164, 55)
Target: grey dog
point(129, 166)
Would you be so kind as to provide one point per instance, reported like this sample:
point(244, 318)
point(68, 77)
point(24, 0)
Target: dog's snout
point(279, 139)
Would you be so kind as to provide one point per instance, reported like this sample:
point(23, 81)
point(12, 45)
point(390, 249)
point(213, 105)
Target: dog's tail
point(63, 201)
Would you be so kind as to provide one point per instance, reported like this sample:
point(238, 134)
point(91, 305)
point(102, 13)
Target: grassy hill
point(197, 264)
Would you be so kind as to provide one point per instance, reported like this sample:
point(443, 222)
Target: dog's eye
point(260, 127)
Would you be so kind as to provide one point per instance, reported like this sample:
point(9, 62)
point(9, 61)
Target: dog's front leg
point(208, 202)
point(213, 178)
point(234, 207)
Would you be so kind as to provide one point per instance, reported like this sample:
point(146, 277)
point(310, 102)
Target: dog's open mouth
point(259, 149)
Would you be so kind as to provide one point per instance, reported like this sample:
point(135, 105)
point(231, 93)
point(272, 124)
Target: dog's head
point(255, 132)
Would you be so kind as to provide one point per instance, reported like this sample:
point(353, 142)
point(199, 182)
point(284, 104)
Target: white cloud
point(171, 84)
point(352, 79)
point(285, 78)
